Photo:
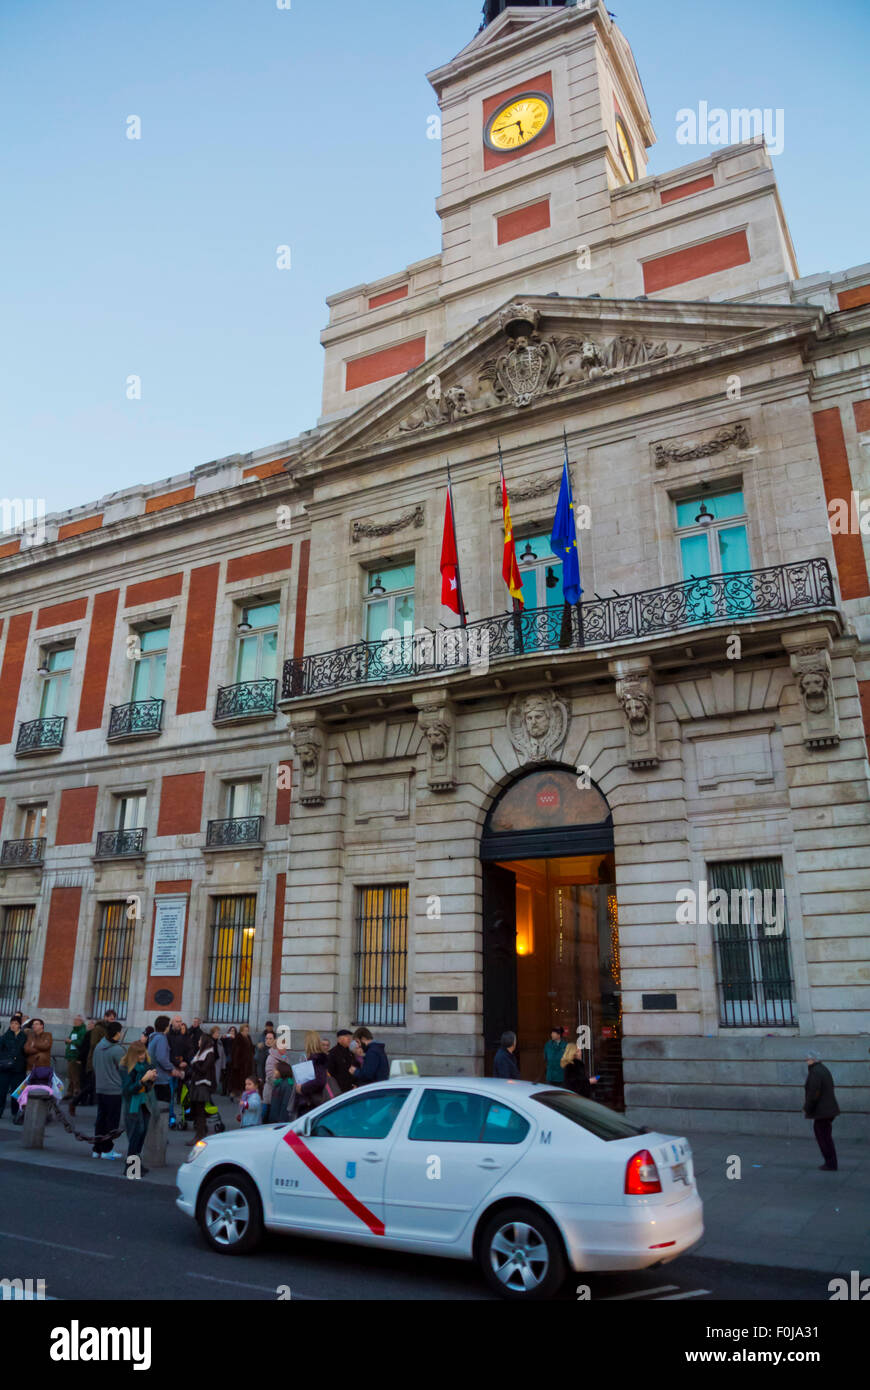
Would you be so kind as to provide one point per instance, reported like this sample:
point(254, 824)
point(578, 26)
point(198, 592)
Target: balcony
point(250, 700)
point(121, 844)
point(141, 719)
point(23, 854)
point(745, 596)
point(40, 736)
point(231, 834)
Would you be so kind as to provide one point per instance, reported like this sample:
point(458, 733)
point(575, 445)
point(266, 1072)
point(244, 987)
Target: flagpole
point(463, 616)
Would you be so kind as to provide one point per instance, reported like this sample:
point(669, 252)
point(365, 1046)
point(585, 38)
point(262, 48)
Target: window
point(149, 670)
point(131, 811)
point(390, 603)
point(382, 955)
point(604, 1124)
point(243, 799)
point(462, 1117)
point(14, 950)
point(753, 955)
point(257, 651)
point(113, 960)
point(232, 952)
point(719, 546)
point(541, 574)
point(55, 685)
point(364, 1117)
point(33, 820)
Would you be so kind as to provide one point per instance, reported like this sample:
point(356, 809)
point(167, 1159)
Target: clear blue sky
point(304, 127)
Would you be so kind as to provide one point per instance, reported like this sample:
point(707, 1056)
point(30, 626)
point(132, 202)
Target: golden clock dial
point(518, 122)
point(626, 153)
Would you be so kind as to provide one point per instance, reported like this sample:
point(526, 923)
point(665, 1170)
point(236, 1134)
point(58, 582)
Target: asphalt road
point(94, 1239)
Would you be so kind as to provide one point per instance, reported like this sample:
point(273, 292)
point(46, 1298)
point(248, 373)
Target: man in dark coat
point(342, 1062)
point(13, 1064)
point(820, 1106)
point(505, 1063)
point(376, 1066)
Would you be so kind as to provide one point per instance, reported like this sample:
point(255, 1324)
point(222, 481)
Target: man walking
point(342, 1062)
point(107, 1078)
point(820, 1106)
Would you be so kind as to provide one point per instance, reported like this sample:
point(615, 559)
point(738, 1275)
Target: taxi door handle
point(373, 1158)
point(488, 1163)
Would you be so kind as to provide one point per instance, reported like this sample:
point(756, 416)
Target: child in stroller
point(183, 1117)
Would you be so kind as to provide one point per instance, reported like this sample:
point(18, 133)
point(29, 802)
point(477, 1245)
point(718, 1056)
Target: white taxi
point(528, 1180)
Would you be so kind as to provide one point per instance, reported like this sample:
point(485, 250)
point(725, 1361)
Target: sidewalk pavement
point(781, 1211)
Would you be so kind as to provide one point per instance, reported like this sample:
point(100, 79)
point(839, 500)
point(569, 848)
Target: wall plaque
point(168, 948)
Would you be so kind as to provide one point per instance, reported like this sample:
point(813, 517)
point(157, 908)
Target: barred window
point(753, 955)
point(14, 952)
point(113, 961)
point(232, 953)
point(381, 955)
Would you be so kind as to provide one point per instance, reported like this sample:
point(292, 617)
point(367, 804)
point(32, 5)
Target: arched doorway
point(550, 923)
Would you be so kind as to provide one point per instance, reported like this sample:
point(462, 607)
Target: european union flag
point(564, 540)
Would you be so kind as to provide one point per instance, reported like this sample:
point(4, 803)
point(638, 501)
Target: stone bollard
point(35, 1116)
point(156, 1140)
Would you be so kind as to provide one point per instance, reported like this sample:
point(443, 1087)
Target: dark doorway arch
point(547, 812)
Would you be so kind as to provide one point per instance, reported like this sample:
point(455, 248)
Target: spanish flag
point(509, 568)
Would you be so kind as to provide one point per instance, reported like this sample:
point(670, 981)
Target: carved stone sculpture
point(810, 659)
point(634, 691)
point(537, 725)
point(436, 718)
point(676, 452)
point(309, 741)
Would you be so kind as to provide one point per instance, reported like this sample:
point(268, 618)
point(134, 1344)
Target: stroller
point(214, 1123)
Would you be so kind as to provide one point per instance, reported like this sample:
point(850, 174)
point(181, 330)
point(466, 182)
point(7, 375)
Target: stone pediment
point(546, 349)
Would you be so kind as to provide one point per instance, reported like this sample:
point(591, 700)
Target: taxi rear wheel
point(520, 1254)
point(229, 1214)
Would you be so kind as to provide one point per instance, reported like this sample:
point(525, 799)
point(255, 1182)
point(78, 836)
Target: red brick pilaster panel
point(75, 821)
point(181, 804)
point(60, 948)
point(282, 800)
point(837, 478)
point(98, 658)
point(10, 676)
point(301, 600)
point(277, 945)
point(198, 633)
point(864, 694)
point(174, 983)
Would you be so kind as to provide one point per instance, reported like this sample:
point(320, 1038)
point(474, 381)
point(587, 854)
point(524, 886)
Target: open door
point(499, 957)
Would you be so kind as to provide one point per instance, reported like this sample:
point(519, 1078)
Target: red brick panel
point(10, 548)
point(75, 821)
point(837, 478)
point(59, 613)
point(60, 948)
point(181, 804)
point(262, 562)
point(685, 190)
point(864, 695)
point(154, 590)
point(282, 804)
point(854, 299)
point(2, 809)
point(163, 888)
point(301, 600)
point(98, 658)
point(10, 676)
point(513, 225)
point(265, 470)
point(492, 159)
point(277, 944)
point(198, 632)
point(694, 262)
point(862, 415)
point(387, 362)
point(170, 499)
point(80, 527)
point(388, 297)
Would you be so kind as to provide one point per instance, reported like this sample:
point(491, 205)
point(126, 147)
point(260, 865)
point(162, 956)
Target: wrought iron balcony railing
point(249, 700)
point(242, 830)
point(120, 844)
point(19, 854)
point(136, 720)
point(744, 596)
point(41, 736)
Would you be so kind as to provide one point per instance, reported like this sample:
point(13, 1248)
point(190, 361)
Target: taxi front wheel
point(229, 1214)
point(520, 1254)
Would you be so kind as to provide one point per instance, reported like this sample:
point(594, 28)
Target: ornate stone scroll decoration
point(309, 741)
point(672, 451)
point(810, 660)
point(634, 691)
point(537, 725)
point(415, 517)
point(437, 720)
point(527, 492)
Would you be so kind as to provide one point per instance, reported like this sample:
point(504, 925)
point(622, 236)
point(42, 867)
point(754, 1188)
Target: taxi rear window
point(604, 1124)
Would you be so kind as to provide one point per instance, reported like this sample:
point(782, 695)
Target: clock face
point(626, 153)
point(518, 122)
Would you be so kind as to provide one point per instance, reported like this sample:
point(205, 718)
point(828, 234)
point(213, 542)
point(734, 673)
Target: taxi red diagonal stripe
point(338, 1189)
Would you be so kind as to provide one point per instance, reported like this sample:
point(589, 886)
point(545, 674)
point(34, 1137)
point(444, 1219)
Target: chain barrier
point(83, 1138)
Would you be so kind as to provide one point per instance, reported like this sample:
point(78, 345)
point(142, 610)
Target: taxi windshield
point(588, 1114)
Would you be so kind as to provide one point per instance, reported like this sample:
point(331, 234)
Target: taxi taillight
point(642, 1175)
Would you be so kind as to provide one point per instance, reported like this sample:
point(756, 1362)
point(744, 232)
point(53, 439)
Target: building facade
point(249, 765)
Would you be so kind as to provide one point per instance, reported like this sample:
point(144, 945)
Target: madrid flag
point(449, 562)
point(510, 570)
